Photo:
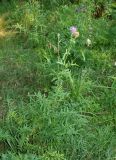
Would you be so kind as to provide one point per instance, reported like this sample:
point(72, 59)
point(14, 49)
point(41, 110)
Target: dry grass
point(3, 31)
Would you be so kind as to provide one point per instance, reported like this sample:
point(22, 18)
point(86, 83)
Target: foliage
point(57, 90)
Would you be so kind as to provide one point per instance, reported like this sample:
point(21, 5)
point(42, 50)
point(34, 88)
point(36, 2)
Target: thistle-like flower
point(88, 42)
point(74, 32)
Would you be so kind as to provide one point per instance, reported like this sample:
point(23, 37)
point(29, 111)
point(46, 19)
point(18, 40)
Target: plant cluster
point(58, 80)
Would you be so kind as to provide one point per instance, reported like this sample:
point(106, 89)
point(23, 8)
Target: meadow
point(57, 80)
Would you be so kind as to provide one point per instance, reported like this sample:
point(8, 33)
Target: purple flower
point(74, 32)
point(73, 29)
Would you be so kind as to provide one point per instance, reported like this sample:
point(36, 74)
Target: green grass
point(57, 95)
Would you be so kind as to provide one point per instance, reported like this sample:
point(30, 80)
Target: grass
point(57, 93)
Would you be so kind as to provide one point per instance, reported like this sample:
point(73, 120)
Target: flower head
point(88, 42)
point(73, 29)
point(74, 32)
point(114, 63)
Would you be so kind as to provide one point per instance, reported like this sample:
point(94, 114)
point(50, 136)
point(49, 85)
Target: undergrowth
point(57, 88)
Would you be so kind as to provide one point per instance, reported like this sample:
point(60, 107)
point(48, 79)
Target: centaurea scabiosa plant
point(64, 62)
point(74, 35)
